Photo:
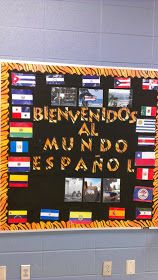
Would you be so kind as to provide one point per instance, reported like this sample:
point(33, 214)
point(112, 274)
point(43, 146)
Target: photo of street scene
point(63, 96)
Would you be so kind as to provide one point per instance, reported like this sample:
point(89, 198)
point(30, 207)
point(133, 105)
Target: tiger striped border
point(4, 141)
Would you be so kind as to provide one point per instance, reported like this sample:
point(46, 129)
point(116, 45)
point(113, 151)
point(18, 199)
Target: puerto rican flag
point(145, 173)
point(122, 82)
point(20, 79)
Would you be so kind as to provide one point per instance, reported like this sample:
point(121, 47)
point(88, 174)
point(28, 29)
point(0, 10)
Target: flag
point(80, 217)
point(49, 214)
point(22, 96)
point(20, 112)
point(17, 216)
point(143, 213)
point(20, 79)
point(55, 79)
point(150, 84)
point(148, 111)
point(122, 82)
point(145, 125)
point(90, 81)
point(145, 173)
point(143, 194)
point(18, 181)
point(19, 146)
point(21, 129)
point(146, 141)
point(18, 164)
point(116, 213)
point(145, 159)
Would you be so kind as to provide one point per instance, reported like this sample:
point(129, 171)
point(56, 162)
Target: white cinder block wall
point(101, 32)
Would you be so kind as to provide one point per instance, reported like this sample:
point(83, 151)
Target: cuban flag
point(122, 82)
point(19, 146)
point(144, 159)
point(49, 214)
point(22, 96)
point(20, 79)
point(55, 79)
point(91, 81)
point(143, 213)
point(18, 164)
point(150, 84)
point(143, 194)
point(145, 174)
point(20, 112)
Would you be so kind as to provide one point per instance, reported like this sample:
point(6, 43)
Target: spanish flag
point(18, 181)
point(21, 129)
point(116, 213)
point(80, 217)
point(17, 216)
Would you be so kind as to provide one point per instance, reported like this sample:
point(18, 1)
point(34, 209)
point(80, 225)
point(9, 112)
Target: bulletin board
point(78, 147)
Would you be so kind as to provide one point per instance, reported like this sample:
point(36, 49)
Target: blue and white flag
point(49, 214)
point(19, 112)
point(19, 146)
point(55, 79)
point(145, 125)
point(22, 96)
point(20, 79)
point(90, 81)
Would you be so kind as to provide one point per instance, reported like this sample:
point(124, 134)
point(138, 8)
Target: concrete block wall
point(100, 32)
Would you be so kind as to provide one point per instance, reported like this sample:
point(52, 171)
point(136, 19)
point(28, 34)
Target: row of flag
point(76, 217)
point(29, 80)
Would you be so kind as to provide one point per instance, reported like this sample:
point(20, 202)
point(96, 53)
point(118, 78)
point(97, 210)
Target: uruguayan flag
point(145, 125)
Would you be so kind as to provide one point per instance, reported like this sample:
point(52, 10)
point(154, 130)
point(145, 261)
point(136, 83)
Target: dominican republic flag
point(18, 181)
point(145, 173)
point(150, 84)
point(122, 82)
point(145, 125)
point(145, 159)
point(19, 164)
point(143, 194)
point(148, 111)
point(55, 79)
point(21, 129)
point(49, 214)
point(22, 96)
point(146, 141)
point(17, 216)
point(20, 112)
point(19, 146)
point(143, 213)
point(20, 79)
point(90, 81)
point(80, 217)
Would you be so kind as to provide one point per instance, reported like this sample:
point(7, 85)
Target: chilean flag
point(144, 159)
point(145, 173)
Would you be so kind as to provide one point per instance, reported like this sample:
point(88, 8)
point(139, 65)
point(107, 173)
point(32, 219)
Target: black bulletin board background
point(47, 188)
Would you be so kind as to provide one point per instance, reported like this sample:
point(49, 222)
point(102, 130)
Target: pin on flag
point(18, 164)
point(20, 112)
point(145, 173)
point(49, 214)
point(145, 159)
point(18, 181)
point(90, 81)
point(22, 96)
point(122, 82)
point(146, 141)
point(148, 111)
point(80, 217)
point(17, 216)
point(23, 79)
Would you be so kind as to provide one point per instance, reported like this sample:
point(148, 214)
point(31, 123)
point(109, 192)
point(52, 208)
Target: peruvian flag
point(145, 173)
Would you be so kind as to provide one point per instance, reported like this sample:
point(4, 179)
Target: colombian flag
point(18, 181)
